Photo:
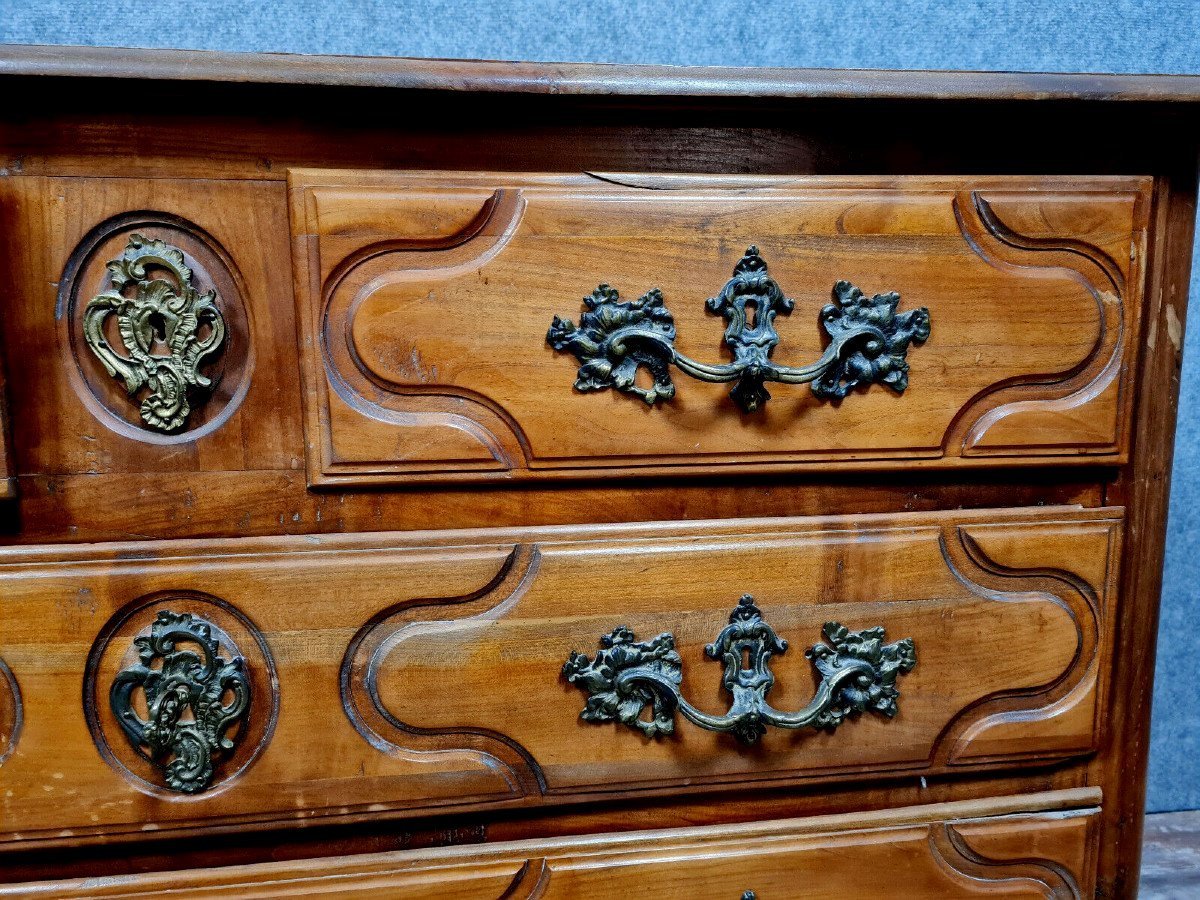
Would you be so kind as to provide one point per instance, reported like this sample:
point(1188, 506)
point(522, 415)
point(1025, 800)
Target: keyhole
point(158, 325)
point(746, 659)
point(751, 314)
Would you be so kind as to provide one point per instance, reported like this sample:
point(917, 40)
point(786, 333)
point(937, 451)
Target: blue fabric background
point(1051, 35)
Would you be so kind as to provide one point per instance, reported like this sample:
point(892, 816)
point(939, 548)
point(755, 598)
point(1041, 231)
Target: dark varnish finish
point(383, 516)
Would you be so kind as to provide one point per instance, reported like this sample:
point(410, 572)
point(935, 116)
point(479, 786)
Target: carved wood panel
point(424, 302)
point(1023, 846)
point(422, 671)
point(73, 416)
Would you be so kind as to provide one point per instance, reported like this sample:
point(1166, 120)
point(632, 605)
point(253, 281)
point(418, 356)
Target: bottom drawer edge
point(1036, 845)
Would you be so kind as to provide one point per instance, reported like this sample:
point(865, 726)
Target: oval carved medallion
point(181, 692)
point(157, 325)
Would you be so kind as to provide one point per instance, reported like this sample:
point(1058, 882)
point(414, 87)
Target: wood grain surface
point(1145, 485)
point(399, 674)
point(457, 75)
point(1037, 845)
point(76, 418)
point(1068, 186)
point(425, 299)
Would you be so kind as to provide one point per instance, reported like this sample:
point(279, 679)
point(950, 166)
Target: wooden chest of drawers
point(484, 480)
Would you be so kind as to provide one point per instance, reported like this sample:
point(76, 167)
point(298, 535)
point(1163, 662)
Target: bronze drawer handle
point(858, 673)
point(869, 340)
point(186, 683)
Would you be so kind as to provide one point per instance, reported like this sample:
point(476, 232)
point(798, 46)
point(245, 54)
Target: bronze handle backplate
point(868, 344)
point(858, 674)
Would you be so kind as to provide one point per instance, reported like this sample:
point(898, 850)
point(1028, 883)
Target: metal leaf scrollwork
point(167, 327)
point(869, 340)
point(601, 364)
point(858, 674)
point(876, 340)
point(873, 691)
point(609, 700)
point(185, 700)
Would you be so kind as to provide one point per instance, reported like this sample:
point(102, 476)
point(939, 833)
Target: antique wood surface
point(258, 131)
point(130, 506)
point(587, 78)
point(8, 472)
point(1039, 845)
point(91, 471)
point(1145, 485)
point(74, 417)
point(424, 297)
point(432, 662)
point(98, 144)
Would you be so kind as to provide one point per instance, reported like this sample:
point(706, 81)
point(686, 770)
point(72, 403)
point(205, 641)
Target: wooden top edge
point(585, 78)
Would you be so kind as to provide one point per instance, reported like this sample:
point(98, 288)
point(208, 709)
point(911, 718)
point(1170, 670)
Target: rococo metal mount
point(167, 328)
point(869, 340)
point(858, 674)
point(185, 696)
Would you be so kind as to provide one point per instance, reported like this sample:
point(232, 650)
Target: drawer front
point(373, 675)
point(444, 337)
point(97, 385)
point(1025, 846)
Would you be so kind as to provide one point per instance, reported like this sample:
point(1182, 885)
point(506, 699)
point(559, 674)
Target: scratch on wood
point(1174, 327)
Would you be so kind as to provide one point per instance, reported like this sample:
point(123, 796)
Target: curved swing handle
point(858, 674)
point(869, 340)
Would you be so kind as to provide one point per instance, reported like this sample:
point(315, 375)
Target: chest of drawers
point(488, 480)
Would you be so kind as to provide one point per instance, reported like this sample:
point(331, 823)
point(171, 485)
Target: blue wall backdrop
point(1050, 35)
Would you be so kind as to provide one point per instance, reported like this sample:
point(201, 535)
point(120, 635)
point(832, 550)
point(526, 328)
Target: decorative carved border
point(531, 882)
point(509, 569)
point(1002, 584)
point(335, 372)
point(1004, 248)
point(955, 855)
point(406, 405)
point(388, 629)
point(961, 554)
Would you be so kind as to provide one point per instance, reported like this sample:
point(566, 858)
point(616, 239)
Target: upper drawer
point(396, 674)
point(439, 317)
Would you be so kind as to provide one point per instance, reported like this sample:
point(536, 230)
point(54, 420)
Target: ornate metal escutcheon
point(167, 327)
point(869, 340)
point(858, 674)
point(185, 699)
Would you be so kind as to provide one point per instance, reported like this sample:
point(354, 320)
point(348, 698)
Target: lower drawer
point(157, 688)
point(1031, 846)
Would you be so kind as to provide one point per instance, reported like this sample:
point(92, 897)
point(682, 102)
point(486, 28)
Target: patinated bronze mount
point(185, 696)
point(869, 340)
point(168, 330)
point(858, 674)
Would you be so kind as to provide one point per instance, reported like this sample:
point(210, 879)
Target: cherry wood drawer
point(388, 675)
point(1040, 845)
point(71, 415)
point(93, 468)
point(428, 305)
